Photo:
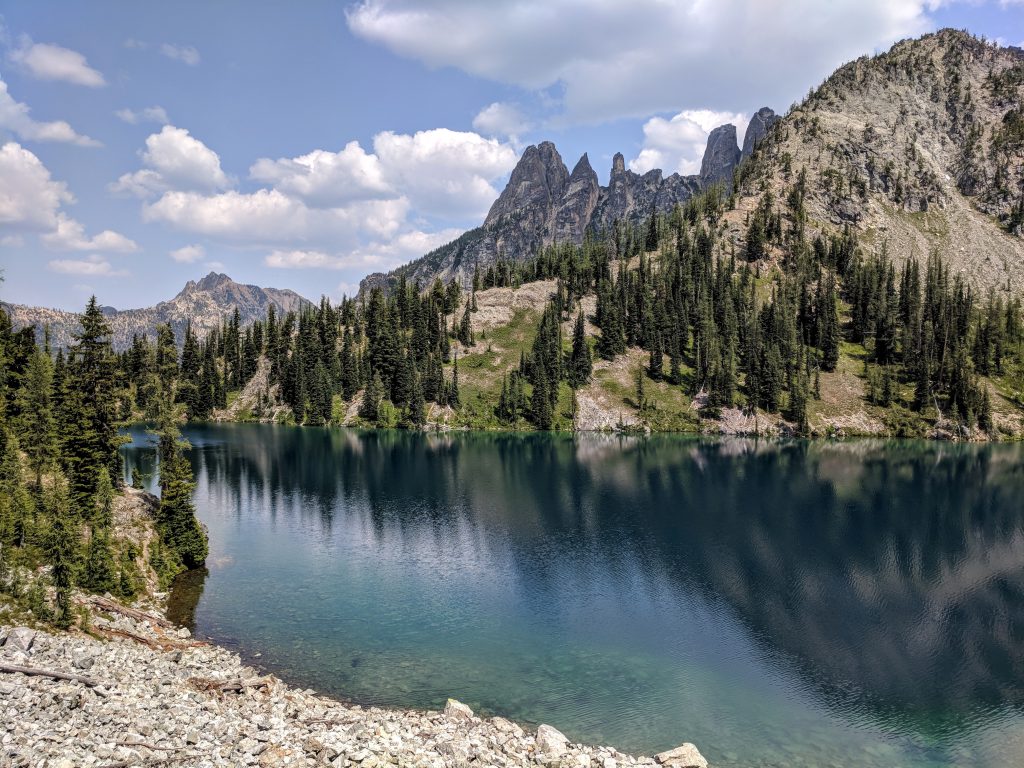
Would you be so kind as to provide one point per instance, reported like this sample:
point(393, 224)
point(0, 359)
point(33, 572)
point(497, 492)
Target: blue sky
point(303, 145)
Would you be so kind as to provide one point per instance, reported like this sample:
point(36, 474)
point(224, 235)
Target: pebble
point(156, 705)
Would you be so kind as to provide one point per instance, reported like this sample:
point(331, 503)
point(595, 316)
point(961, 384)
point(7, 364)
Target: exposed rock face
point(721, 156)
point(926, 164)
point(206, 303)
point(757, 129)
point(575, 209)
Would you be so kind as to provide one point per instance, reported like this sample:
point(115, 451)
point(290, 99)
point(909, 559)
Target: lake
point(777, 603)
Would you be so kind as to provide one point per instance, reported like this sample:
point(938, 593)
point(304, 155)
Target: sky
point(305, 145)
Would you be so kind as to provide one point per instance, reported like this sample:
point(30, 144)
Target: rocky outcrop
point(757, 129)
point(206, 303)
point(574, 211)
point(721, 157)
point(149, 694)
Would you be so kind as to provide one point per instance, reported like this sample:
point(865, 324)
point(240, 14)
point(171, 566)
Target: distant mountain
point(543, 204)
point(206, 303)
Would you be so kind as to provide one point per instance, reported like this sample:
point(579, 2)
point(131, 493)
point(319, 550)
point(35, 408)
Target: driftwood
point(149, 642)
point(54, 674)
point(236, 685)
point(113, 607)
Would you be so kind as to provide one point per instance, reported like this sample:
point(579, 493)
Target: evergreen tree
point(62, 545)
point(369, 410)
point(37, 430)
point(580, 363)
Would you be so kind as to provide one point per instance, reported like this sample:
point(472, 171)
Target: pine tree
point(181, 533)
point(62, 545)
point(38, 435)
point(369, 410)
point(580, 363)
point(454, 399)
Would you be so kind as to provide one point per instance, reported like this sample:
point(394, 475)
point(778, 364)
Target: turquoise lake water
point(779, 604)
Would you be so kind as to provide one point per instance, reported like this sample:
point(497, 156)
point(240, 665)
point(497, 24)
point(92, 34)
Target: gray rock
point(456, 710)
point(684, 756)
point(551, 742)
point(757, 129)
point(19, 639)
point(721, 156)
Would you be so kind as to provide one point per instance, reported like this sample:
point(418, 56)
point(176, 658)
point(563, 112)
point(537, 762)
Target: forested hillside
point(62, 501)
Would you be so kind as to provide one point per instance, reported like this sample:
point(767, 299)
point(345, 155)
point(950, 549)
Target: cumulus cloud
point(270, 216)
point(325, 179)
point(30, 201)
point(14, 116)
point(608, 60)
point(46, 61)
point(174, 160)
point(186, 54)
point(501, 119)
point(383, 255)
point(188, 254)
point(29, 197)
point(69, 235)
point(154, 114)
point(677, 144)
point(445, 173)
point(93, 266)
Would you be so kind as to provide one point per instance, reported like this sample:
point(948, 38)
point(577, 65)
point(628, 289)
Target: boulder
point(683, 756)
point(19, 639)
point(456, 710)
point(551, 742)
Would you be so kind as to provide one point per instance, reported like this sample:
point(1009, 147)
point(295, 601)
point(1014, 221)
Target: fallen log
point(54, 674)
point(228, 686)
point(114, 607)
point(149, 642)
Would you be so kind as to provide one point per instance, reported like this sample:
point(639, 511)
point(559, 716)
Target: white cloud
point(30, 200)
point(324, 178)
point(270, 216)
point(93, 266)
point(29, 197)
point(381, 255)
point(501, 119)
point(175, 160)
point(14, 116)
point(608, 59)
point(183, 53)
point(445, 173)
point(69, 235)
point(147, 115)
point(677, 144)
point(46, 61)
point(188, 254)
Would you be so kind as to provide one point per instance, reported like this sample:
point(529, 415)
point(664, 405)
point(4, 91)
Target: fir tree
point(580, 363)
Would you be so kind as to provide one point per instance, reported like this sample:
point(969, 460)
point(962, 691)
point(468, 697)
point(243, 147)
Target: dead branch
point(114, 607)
point(236, 685)
point(54, 674)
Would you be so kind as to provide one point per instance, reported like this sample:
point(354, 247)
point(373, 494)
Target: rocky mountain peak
point(582, 168)
point(757, 129)
point(539, 177)
point(213, 281)
point(618, 164)
point(721, 156)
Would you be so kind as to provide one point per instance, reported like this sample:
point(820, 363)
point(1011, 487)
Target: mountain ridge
point(543, 203)
point(204, 302)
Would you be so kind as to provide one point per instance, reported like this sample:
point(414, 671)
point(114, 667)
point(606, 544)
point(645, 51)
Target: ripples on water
point(781, 604)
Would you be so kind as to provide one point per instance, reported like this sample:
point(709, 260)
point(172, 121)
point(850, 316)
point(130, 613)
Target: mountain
point(206, 303)
point(919, 149)
point(543, 203)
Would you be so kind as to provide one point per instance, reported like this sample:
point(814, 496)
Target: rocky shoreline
point(135, 690)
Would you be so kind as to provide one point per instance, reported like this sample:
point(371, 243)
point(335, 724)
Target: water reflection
point(879, 584)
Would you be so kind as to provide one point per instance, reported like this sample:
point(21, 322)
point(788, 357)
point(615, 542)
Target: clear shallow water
point(795, 604)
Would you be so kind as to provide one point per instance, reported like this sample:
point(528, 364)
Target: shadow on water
point(184, 596)
point(880, 584)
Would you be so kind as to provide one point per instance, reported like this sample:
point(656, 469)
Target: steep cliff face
point(757, 129)
point(721, 157)
point(206, 303)
point(576, 208)
point(920, 149)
